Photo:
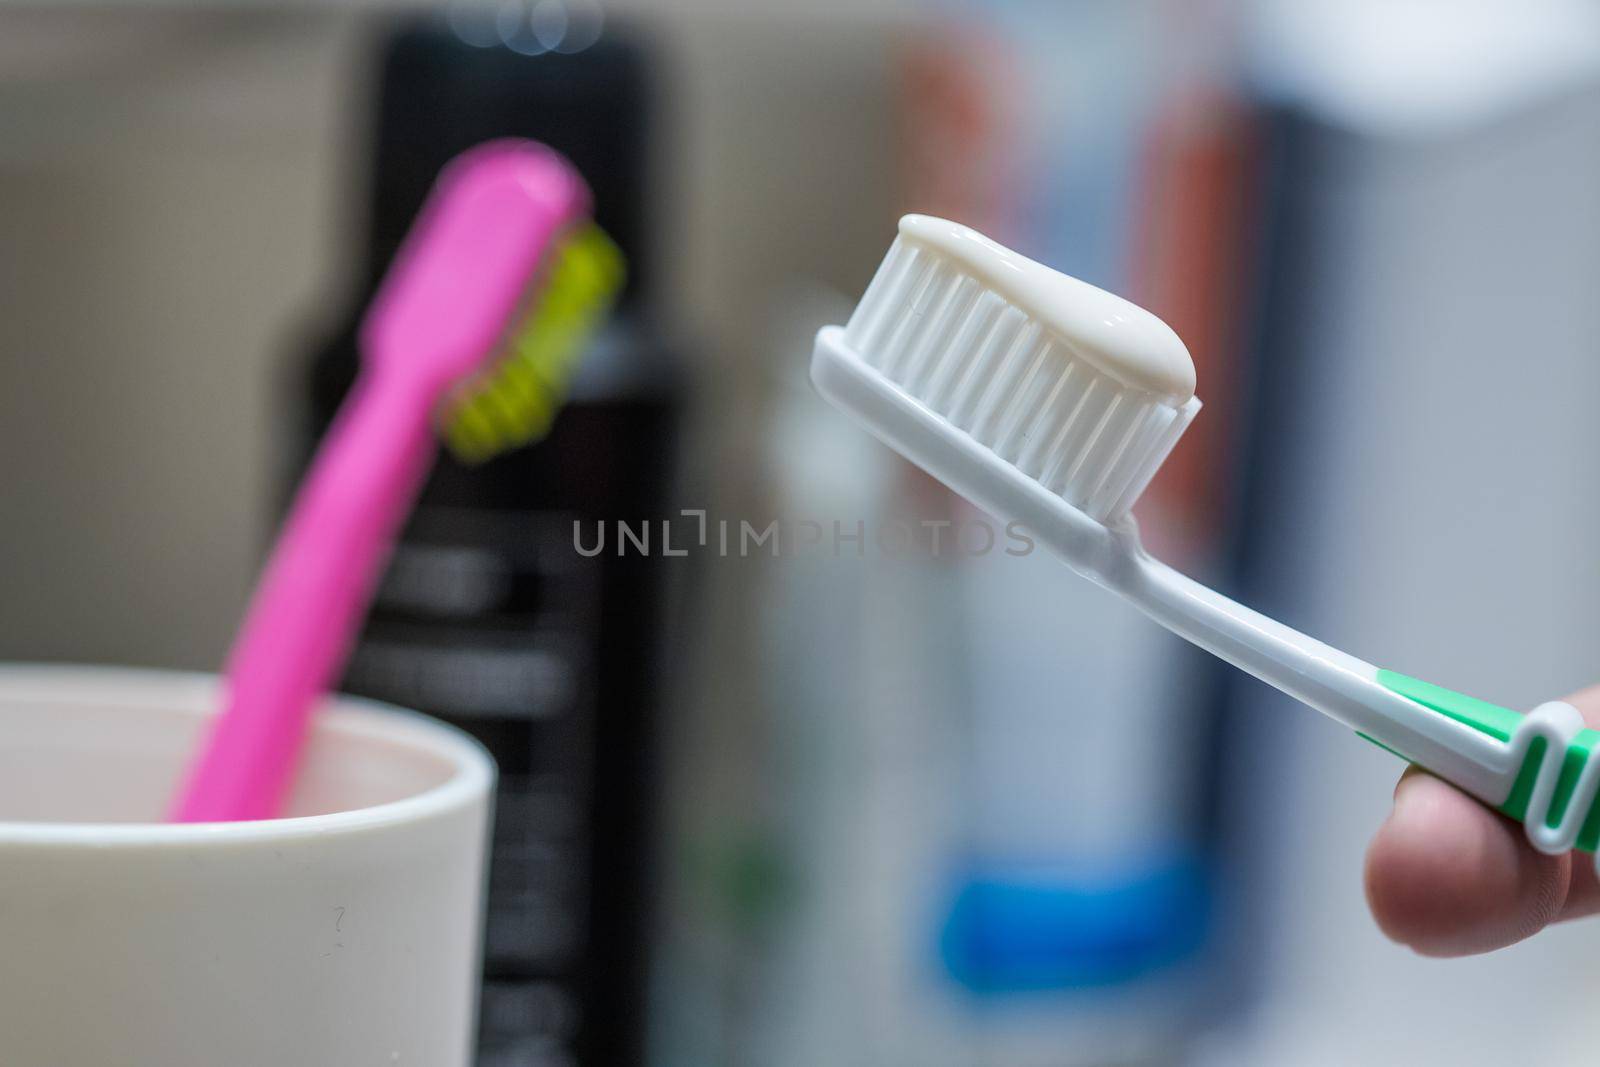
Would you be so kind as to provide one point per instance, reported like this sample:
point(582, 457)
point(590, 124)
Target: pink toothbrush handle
point(305, 613)
point(443, 308)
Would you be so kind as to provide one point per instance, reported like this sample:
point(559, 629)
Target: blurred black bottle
point(489, 618)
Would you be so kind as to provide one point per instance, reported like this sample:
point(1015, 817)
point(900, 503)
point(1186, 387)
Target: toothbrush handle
point(1539, 768)
point(1339, 685)
point(1555, 774)
point(304, 615)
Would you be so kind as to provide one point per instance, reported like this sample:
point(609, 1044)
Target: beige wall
point(166, 219)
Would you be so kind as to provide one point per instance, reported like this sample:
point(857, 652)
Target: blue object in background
point(1007, 935)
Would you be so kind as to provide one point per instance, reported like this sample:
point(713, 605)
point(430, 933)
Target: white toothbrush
point(1049, 402)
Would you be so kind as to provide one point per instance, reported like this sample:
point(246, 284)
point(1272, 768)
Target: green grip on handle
point(1500, 723)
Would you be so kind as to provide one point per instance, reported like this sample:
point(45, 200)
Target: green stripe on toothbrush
point(1500, 723)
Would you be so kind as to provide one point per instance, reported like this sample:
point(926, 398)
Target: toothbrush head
point(515, 401)
point(495, 293)
point(470, 259)
point(984, 367)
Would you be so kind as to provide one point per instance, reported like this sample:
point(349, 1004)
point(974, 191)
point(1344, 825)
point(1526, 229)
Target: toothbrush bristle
point(999, 374)
point(515, 400)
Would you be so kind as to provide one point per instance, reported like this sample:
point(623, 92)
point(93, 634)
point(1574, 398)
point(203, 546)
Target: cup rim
point(194, 691)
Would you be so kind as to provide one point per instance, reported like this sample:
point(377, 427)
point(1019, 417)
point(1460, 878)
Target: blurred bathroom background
point(848, 794)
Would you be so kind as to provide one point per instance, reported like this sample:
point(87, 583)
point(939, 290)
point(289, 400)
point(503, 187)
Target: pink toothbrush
point(446, 306)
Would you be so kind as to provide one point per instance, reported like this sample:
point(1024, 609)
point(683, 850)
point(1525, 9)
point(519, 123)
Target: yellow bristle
point(516, 400)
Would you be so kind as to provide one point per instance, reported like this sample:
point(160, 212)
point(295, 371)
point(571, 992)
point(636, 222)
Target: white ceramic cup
point(343, 935)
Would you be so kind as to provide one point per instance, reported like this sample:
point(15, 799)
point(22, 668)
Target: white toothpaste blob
point(1116, 337)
